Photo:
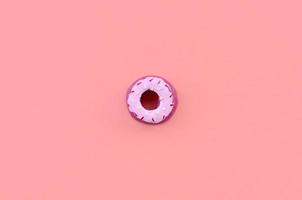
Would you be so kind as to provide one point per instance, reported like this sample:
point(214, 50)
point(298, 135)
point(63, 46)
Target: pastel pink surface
point(65, 132)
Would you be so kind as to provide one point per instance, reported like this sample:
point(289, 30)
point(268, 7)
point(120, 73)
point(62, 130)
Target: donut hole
point(150, 100)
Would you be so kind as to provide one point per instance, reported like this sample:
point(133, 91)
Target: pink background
point(65, 132)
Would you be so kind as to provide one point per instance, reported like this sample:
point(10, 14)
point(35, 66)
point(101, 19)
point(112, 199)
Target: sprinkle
point(139, 83)
point(151, 79)
point(168, 87)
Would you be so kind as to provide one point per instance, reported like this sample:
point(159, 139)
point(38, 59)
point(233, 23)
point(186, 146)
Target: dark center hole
point(150, 100)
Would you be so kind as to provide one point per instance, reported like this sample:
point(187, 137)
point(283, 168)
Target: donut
point(151, 99)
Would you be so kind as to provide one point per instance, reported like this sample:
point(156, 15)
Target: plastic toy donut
point(151, 100)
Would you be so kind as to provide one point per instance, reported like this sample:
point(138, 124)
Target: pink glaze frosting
point(167, 100)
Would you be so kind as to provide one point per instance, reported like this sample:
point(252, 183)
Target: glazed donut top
point(167, 99)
